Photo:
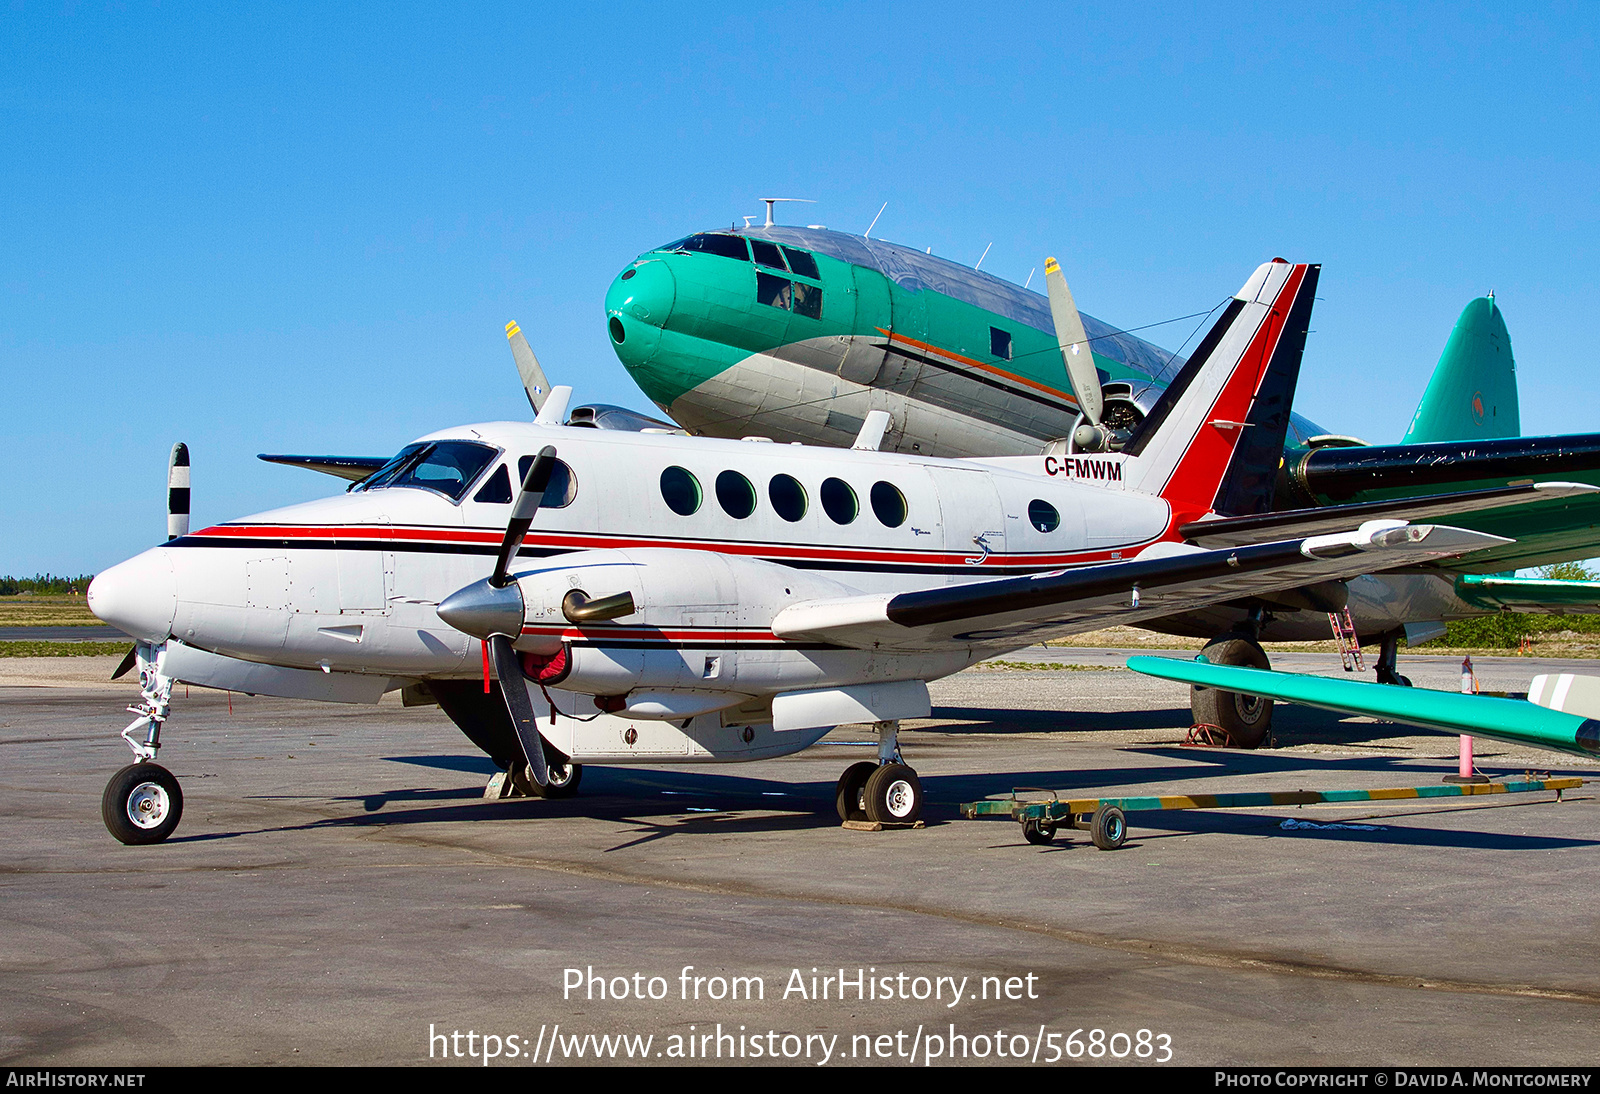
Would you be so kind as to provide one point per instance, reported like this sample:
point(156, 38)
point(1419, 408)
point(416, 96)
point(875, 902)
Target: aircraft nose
point(637, 306)
point(139, 596)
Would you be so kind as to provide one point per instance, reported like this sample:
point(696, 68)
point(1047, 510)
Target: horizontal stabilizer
point(353, 468)
point(1513, 720)
point(1169, 578)
point(1530, 594)
point(1335, 474)
point(1235, 531)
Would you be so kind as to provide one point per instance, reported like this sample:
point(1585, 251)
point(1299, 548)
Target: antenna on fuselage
point(983, 256)
point(868, 233)
point(773, 201)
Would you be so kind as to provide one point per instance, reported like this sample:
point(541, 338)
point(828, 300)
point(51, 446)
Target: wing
point(1530, 594)
point(1513, 720)
point(1167, 579)
point(353, 468)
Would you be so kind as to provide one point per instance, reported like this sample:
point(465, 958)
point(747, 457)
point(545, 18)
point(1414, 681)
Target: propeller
point(178, 491)
point(1079, 361)
point(534, 381)
point(492, 609)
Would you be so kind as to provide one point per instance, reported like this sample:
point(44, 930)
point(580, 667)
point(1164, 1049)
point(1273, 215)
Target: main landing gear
point(888, 791)
point(143, 802)
point(1247, 719)
point(1388, 654)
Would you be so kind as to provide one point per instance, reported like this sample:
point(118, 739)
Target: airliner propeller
point(1079, 362)
point(493, 610)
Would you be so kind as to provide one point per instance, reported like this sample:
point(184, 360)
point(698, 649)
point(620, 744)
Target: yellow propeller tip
point(512, 329)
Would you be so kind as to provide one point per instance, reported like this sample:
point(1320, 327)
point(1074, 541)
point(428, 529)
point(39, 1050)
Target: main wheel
point(142, 804)
point(1036, 832)
point(850, 795)
point(564, 776)
point(894, 795)
point(1109, 828)
point(1247, 718)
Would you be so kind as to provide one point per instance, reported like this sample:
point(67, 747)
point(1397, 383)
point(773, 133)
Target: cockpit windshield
point(714, 243)
point(445, 467)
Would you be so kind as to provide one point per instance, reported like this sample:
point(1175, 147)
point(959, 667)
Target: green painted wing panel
point(1513, 720)
point(1524, 594)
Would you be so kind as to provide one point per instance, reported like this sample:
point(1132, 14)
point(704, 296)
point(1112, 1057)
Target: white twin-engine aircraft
point(656, 598)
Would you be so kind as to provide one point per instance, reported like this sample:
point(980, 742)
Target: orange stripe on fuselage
point(973, 362)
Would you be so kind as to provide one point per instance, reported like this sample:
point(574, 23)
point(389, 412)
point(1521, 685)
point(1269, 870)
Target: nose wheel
point(142, 803)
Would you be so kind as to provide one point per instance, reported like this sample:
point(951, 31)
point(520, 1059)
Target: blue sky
point(263, 228)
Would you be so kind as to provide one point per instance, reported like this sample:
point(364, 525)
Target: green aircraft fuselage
point(795, 333)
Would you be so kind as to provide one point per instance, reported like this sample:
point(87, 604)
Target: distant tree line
point(44, 583)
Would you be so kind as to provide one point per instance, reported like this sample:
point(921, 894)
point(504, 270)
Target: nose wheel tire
point(894, 795)
point(142, 804)
point(850, 795)
point(564, 777)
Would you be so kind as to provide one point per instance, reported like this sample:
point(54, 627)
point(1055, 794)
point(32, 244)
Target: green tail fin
point(1472, 395)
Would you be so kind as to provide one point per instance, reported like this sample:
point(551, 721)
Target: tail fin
point(1214, 440)
point(1472, 395)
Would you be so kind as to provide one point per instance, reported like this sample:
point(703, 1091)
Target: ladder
point(1344, 636)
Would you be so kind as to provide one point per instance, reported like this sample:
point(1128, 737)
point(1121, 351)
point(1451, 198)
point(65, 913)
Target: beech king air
point(649, 598)
point(798, 333)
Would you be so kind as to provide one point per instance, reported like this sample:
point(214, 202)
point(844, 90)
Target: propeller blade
point(128, 662)
point(178, 491)
point(534, 381)
point(508, 669)
point(522, 513)
point(1074, 344)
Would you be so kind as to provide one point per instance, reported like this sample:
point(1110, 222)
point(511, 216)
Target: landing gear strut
point(1246, 718)
point(1388, 654)
point(888, 791)
point(143, 802)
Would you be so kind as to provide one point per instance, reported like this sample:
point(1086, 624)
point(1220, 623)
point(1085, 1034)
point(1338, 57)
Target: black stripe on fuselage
point(490, 550)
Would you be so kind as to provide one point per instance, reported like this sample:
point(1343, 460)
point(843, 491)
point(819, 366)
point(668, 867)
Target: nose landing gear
point(143, 802)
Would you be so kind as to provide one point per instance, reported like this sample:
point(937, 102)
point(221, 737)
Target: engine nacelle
point(702, 623)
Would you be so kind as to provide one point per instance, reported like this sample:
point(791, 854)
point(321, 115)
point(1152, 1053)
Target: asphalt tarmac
point(338, 890)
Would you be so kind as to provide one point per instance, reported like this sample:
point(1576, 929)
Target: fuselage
point(796, 333)
point(724, 533)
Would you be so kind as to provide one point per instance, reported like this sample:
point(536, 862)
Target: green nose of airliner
point(637, 306)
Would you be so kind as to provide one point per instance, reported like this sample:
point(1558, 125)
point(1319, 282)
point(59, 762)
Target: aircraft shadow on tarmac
point(664, 803)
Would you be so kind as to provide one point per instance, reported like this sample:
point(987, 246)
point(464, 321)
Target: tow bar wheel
point(142, 804)
point(1108, 828)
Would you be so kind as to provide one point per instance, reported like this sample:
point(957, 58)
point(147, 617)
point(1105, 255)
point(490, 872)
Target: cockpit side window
point(802, 263)
point(445, 467)
point(563, 486)
point(717, 244)
point(777, 292)
point(767, 254)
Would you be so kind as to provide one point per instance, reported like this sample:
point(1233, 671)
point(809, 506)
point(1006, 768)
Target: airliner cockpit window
point(382, 475)
point(710, 243)
point(802, 263)
point(767, 254)
point(445, 467)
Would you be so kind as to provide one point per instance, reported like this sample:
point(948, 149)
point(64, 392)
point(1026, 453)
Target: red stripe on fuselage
point(579, 541)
